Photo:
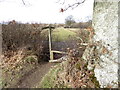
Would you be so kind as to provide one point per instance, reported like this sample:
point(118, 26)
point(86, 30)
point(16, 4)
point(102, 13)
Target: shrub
point(16, 35)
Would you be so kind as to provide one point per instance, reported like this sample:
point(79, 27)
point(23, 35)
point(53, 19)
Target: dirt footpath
point(34, 77)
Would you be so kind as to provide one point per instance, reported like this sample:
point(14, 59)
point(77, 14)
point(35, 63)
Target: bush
point(16, 36)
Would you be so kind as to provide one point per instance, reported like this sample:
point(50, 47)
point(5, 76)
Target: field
point(62, 34)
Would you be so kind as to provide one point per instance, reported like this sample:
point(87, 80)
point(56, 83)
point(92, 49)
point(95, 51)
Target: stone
point(105, 25)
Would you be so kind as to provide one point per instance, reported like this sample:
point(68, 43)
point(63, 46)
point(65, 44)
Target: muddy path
point(31, 79)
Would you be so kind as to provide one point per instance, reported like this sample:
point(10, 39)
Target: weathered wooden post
point(50, 40)
point(50, 43)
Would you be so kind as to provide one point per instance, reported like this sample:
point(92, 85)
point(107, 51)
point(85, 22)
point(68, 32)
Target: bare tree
point(69, 21)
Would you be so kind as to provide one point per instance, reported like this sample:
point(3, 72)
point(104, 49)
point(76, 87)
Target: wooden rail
point(84, 44)
point(50, 44)
point(53, 51)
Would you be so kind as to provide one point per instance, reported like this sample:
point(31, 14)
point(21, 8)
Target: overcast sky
point(44, 11)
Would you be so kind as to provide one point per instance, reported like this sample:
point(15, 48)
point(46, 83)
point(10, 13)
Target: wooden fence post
point(50, 43)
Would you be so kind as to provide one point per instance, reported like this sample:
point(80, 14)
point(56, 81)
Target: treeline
point(79, 24)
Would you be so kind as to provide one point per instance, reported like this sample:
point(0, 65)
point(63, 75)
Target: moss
point(85, 65)
point(31, 59)
point(94, 80)
point(78, 66)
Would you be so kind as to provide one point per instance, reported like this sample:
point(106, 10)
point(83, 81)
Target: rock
point(106, 62)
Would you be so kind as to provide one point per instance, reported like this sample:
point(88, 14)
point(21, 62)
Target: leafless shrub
point(16, 36)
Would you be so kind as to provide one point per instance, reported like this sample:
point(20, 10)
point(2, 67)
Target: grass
point(62, 34)
point(49, 80)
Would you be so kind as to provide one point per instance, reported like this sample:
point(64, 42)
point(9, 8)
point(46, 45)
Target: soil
point(32, 78)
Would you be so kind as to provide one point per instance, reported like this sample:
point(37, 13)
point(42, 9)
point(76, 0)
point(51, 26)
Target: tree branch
point(23, 2)
point(61, 3)
point(73, 5)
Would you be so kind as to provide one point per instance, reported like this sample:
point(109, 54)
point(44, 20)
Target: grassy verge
point(49, 80)
point(69, 75)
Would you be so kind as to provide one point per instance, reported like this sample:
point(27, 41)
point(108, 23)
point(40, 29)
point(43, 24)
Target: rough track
point(34, 77)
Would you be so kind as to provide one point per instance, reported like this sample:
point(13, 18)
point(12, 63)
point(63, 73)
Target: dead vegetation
point(72, 73)
point(23, 48)
point(76, 75)
point(27, 36)
point(14, 67)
